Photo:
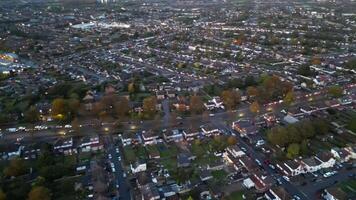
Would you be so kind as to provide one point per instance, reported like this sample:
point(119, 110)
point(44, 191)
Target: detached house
point(150, 137)
point(244, 127)
point(277, 193)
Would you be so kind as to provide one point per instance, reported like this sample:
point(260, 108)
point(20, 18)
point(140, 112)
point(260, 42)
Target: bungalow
point(326, 159)
point(277, 193)
point(173, 136)
point(334, 193)
point(311, 164)
point(244, 127)
point(290, 168)
point(150, 137)
point(128, 139)
point(210, 130)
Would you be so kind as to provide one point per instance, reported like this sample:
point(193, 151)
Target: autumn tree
point(16, 167)
point(39, 193)
point(230, 98)
point(149, 106)
point(131, 88)
point(76, 126)
point(122, 108)
point(2, 195)
point(196, 104)
point(231, 140)
point(289, 98)
point(255, 107)
point(252, 91)
point(315, 61)
point(59, 107)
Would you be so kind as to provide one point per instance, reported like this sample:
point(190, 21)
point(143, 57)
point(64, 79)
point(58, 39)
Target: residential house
point(65, 145)
point(341, 155)
point(150, 192)
point(290, 168)
point(190, 134)
point(277, 193)
point(150, 137)
point(326, 159)
point(311, 164)
point(138, 166)
point(244, 127)
point(334, 193)
point(210, 130)
point(173, 136)
point(262, 182)
point(91, 143)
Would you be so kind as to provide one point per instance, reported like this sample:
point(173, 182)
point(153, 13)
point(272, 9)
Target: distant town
point(177, 99)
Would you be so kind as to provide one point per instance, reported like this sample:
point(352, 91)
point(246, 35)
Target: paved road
point(124, 189)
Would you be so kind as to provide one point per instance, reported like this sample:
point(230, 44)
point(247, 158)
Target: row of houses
point(320, 161)
point(67, 146)
point(175, 135)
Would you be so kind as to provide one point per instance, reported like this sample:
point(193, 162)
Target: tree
point(278, 136)
point(335, 91)
point(293, 150)
point(39, 193)
point(231, 99)
point(252, 91)
point(351, 125)
point(76, 126)
point(149, 106)
point(196, 105)
point(255, 107)
point(316, 61)
point(289, 98)
point(131, 88)
point(2, 195)
point(73, 106)
point(231, 140)
point(122, 108)
point(305, 70)
point(16, 167)
point(58, 108)
point(351, 64)
point(32, 115)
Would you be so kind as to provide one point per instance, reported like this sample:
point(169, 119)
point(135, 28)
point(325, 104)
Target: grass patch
point(235, 196)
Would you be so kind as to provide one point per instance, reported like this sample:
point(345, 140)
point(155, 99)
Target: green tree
point(32, 115)
point(335, 91)
point(293, 150)
point(39, 193)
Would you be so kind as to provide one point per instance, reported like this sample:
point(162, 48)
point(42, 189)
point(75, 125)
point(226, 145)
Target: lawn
point(349, 186)
point(235, 196)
